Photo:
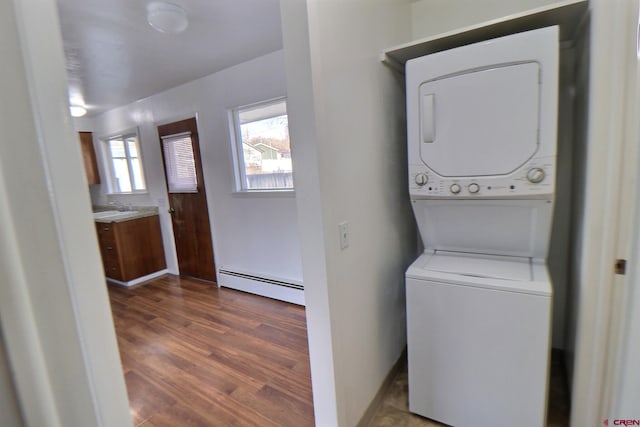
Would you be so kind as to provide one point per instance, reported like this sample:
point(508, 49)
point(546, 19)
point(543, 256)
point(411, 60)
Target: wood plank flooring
point(197, 355)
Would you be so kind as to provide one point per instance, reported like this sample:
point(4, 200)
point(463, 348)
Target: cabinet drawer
point(106, 233)
point(108, 250)
point(112, 270)
point(109, 257)
point(108, 241)
point(104, 228)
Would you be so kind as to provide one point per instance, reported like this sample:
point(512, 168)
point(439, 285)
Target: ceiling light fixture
point(77, 110)
point(167, 17)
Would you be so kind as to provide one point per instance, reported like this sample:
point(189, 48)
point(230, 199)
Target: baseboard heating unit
point(281, 289)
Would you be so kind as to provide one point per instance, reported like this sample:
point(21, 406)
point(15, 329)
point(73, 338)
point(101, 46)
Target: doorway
point(187, 199)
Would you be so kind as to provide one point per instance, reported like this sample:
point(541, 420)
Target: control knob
point(473, 188)
point(455, 188)
point(421, 179)
point(535, 175)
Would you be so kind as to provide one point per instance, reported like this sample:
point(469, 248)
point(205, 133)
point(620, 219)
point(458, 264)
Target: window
point(180, 164)
point(262, 150)
point(124, 164)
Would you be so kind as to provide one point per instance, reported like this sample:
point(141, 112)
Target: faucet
point(120, 206)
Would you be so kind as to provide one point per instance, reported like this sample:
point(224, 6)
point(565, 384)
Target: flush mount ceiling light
point(77, 110)
point(167, 17)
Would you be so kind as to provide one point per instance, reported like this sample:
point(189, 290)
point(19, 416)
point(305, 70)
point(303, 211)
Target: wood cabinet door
point(89, 157)
point(131, 249)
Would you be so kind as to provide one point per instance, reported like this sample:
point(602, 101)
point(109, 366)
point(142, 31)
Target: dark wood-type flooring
point(197, 355)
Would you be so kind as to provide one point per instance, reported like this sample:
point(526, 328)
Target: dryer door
point(480, 123)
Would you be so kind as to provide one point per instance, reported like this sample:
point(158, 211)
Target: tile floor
point(394, 411)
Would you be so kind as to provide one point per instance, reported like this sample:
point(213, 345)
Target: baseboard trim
point(270, 288)
point(139, 280)
point(375, 404)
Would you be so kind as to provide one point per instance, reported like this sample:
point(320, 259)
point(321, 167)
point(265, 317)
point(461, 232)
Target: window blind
point(179, 163)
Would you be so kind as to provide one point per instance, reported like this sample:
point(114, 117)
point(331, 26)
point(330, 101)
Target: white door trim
point(596, 281)
point(54, 307)
point(623, 374)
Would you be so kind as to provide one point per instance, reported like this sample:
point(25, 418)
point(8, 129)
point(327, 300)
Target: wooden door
point(188, 206)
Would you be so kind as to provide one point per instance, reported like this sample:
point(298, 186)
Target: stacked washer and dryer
point(482, 122)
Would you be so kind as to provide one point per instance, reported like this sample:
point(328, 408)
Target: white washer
point(478, 333)
point(482, 122)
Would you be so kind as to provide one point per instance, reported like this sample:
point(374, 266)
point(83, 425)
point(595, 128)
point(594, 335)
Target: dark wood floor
point(197, 355)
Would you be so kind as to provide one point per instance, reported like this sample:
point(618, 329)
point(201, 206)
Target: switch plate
point(343, 228)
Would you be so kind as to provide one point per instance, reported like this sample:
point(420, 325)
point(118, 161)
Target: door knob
point(172, 210)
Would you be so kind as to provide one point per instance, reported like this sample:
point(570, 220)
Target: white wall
point(578, 197)
point(10, 415)
point(558, 259)
point(430, 17)
point(347, 122)
point(252, 233)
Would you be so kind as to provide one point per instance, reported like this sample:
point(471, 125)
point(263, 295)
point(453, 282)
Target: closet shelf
point(568, 14)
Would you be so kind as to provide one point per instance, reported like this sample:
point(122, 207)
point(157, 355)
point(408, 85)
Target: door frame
point(606, 223)
point(623, 374)
point(58, 332)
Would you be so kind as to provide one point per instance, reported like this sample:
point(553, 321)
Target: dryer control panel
point(535, 179)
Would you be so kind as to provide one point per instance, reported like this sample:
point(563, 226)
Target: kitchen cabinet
point(89, 157)
point(131, 249)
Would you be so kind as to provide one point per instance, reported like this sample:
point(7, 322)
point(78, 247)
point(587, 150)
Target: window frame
point(239, 167)
point(109, 166)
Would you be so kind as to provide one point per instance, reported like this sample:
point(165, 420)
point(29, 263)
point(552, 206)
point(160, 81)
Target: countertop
point(108, 214)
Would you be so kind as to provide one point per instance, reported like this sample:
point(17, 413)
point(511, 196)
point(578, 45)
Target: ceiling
point(114, 57)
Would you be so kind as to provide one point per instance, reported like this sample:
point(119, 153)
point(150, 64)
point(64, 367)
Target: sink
point(104, 214)
point(113, 215)
point(124, 214)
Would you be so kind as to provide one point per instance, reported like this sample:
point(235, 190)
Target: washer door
point(480, 123)
point(483, 266)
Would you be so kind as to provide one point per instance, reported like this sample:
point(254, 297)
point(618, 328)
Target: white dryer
point(482, 123)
